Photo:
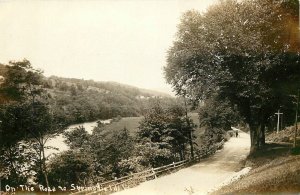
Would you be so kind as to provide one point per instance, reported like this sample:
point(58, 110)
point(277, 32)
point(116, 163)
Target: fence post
point(116, 188)
point(154, 173)
point(173, 164)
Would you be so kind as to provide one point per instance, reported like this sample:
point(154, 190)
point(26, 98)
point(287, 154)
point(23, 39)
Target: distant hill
point(111, 86)
point(158, 92)
point(78, 100)
point(2, 69)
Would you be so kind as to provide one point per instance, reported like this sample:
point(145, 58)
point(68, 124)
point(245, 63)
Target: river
point(58, 140)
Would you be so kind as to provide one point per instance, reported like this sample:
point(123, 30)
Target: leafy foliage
point(36, 108)
point(16, 164)
point(71, 167)
point(77, 138)
point(246, 52)
point(77, 101)
point(168, 128)
point(218, 114)
point(21, 80)
point(25, 116)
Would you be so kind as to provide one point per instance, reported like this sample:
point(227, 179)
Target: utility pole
point(296, 121)
point(278, 119)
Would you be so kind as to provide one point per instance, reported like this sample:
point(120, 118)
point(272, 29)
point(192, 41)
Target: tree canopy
point(245, 51)
point(25, 118)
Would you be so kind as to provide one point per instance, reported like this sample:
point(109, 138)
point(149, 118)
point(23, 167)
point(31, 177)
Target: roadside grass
point(130, 123)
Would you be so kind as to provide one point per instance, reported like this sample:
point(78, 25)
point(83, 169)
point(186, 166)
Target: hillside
point(78, 100)
point(100, 86)
point(2, 69)
point(2, 72)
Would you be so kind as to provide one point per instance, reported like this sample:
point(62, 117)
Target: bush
point(216, 113)
point(70, 168)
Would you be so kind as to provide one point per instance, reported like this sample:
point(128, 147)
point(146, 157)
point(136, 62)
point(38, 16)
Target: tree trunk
point(261, 130)
point(296, 121)
point(254, 139)
point(257, 136)
point(44, 168)
point(191, 143)
point(181, 155)
point(183, 151)
point(191, 130)
point(262, 140)
point(11, 156)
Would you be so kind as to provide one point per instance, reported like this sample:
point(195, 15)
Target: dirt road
point(202, 177)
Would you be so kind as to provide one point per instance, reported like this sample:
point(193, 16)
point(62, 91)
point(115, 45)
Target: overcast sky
point(114, 40)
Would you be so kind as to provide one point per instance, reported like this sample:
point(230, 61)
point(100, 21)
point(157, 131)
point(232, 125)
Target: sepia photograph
point(149, 97)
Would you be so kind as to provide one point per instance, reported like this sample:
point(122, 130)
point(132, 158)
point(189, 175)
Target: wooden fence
point(135, 179)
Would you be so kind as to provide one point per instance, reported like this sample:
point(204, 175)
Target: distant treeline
point(76, 100)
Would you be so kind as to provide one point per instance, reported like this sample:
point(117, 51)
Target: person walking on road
point(236, 133)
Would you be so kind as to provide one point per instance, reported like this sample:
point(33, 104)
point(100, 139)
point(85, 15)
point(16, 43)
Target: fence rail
point(135, 179)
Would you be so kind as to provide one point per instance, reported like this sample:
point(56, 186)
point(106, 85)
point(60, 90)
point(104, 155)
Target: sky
point(106, 40)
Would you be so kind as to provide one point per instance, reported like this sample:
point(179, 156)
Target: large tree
point(25, 115)
point(244, 51)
